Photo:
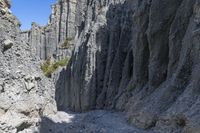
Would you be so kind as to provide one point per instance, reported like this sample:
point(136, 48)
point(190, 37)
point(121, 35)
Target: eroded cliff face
point(47, 41)
point(137, 56)
point(25, 94)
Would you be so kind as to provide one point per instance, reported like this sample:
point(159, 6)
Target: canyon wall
point(25, 93)
point(46, 41)
point(137, 56)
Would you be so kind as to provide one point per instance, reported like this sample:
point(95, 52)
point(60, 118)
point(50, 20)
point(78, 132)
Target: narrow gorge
point(132, 67)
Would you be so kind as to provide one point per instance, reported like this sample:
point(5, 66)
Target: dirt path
point(91, 122)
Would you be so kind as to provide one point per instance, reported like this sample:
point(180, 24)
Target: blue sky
point(28, 11)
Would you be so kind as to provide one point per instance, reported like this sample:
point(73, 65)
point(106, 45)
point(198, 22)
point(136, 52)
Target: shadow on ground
point(49, 126)
point(56, 124)
point(98, 121)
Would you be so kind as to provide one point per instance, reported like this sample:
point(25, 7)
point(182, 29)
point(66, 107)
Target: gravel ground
point(91, 122)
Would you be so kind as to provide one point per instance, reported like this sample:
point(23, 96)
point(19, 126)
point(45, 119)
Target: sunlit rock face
point(137, 56)
point(47, 41)
point(25, 94)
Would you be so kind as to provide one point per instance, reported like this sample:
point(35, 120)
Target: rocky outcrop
point(138, 56)
point(47, 41)
point(25, 94)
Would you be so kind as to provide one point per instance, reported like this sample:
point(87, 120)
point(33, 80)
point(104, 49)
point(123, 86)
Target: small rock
point(30, 86)
point(37, 77)
point(144, 120)
point(7, 44)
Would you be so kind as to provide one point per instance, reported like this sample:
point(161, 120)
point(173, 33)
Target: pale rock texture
point(25, 94)
point(47, 41)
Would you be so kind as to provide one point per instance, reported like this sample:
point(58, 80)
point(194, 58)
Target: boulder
point(7, 44)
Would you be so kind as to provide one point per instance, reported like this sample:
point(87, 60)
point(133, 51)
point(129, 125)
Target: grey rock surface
point(25, 94)
point(140, 57)
point(7, 44)
point(47, 41)
point(137, 56)
point(98, 121)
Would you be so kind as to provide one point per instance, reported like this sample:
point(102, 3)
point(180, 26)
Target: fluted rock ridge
point(46, 41)
point(137, 56)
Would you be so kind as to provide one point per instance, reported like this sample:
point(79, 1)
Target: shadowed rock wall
point(138, 56)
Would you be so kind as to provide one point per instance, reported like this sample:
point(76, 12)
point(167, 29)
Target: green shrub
point(66, 43)
point(49, 67)
point(45, 65)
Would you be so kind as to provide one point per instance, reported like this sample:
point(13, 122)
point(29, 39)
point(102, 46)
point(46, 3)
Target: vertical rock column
point(46, 41)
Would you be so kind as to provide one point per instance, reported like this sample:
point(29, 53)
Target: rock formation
point(25, 94)
point(46, 41)
point(137, 56)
